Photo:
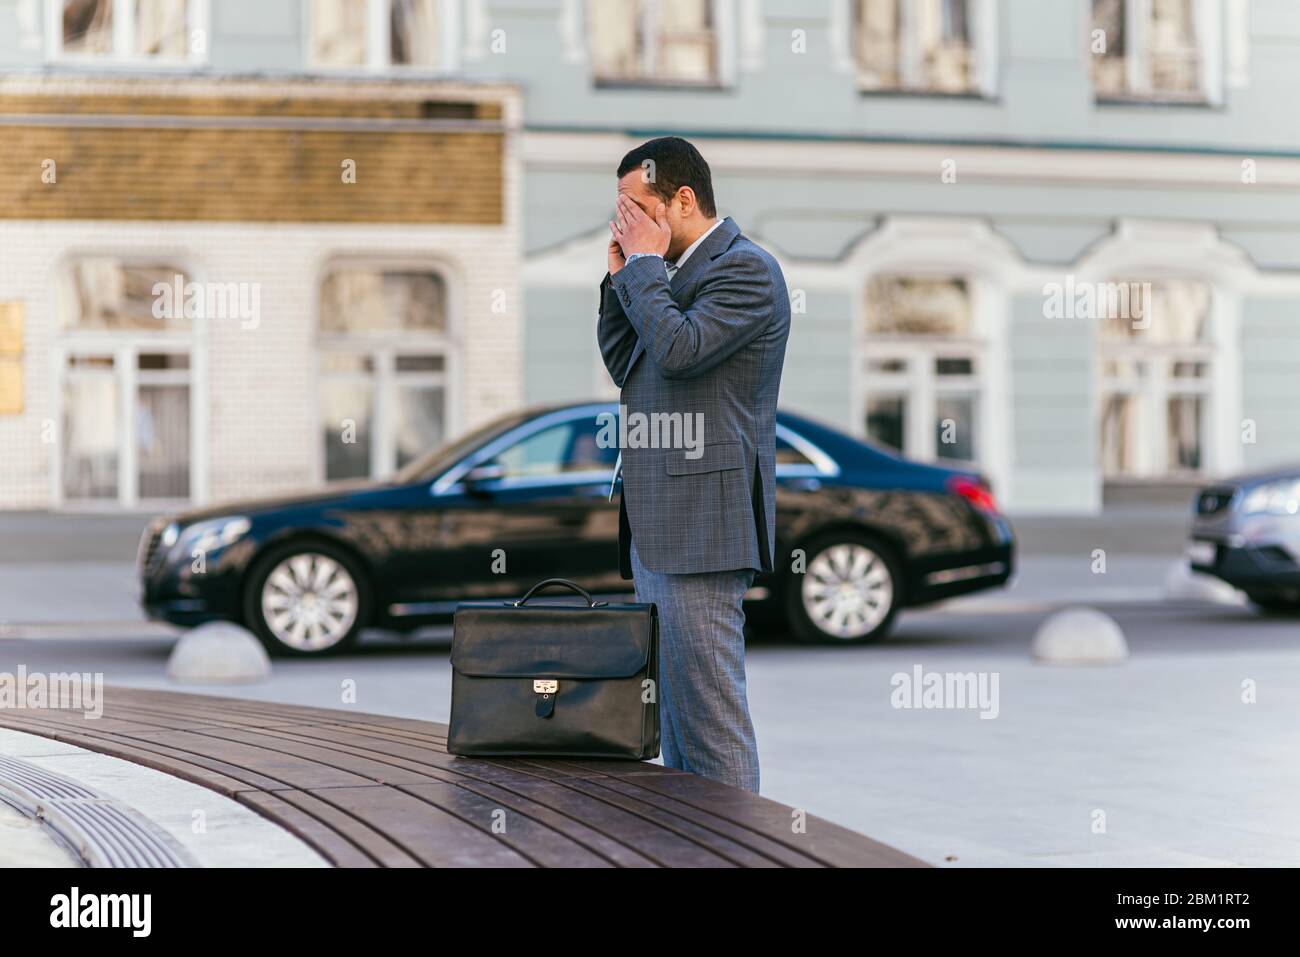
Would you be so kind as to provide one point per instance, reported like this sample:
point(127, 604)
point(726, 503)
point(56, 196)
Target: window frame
point(724, 52)
point(1208, 17)
point(818, 465)
point(918, 383)
point(450, 481)
point(1154, 389)
point(198, 17)
point(125, 347)
point(383, 350)
point(379, 52)
point(982, 18)
point(509, 482)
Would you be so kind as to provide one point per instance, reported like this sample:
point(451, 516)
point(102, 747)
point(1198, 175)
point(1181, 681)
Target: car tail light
point(975, 492)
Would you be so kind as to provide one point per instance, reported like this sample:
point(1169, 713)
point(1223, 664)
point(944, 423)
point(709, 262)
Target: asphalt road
point(69, 568)
point(39, 536)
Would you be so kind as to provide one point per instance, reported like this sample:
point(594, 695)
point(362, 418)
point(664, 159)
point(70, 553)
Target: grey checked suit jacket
point(712, 341)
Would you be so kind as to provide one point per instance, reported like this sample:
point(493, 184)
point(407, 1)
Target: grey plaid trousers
point(704, 721)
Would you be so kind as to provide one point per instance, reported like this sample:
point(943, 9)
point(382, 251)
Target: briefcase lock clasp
point(547, 690)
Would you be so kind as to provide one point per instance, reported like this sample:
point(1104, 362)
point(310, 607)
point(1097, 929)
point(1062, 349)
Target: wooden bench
point(372, 791)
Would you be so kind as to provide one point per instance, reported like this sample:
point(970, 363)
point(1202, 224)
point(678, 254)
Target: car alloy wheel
point(849, 591)
point(310, 602)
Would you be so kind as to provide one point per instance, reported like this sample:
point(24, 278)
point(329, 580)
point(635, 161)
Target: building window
point(918, 46)
point(1153, 50)
point(128, 31)
point(653, 41)
point(922, 367)
point(1156, 363)
point(381, 34)
point(110, 295)
point(384, 356)
point(125, 386)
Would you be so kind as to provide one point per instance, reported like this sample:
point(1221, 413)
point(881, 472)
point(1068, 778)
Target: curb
point(87, 629)
point(56, 776)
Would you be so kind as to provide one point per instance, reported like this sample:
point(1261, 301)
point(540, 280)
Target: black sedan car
point(861, 533)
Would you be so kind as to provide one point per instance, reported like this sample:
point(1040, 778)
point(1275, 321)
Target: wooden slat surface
point(375, 791)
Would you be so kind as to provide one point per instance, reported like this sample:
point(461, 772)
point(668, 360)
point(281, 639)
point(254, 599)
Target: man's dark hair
point(676, 164)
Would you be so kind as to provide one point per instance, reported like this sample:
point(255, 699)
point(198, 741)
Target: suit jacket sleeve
point(732, 307)
point(614, 333)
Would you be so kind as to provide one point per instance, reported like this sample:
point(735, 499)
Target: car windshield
point(442, 458)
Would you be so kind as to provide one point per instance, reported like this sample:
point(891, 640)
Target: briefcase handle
point(572, 586)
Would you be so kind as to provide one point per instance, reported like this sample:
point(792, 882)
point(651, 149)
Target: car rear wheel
point(849, 592)
point(307, 599)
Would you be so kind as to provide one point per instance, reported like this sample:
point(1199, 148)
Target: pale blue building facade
point(1058, 241)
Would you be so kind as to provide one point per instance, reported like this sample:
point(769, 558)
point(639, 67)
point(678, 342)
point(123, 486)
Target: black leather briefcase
point(555, 680)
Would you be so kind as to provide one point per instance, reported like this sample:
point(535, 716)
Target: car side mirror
point(480, 475)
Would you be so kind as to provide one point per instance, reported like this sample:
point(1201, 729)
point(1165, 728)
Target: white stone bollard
point(219, 652)
point(1080, 636)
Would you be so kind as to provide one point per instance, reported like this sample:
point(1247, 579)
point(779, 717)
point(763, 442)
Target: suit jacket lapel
point(709, 250)
point(714, 246)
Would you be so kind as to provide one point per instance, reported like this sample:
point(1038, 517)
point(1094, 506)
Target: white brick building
point(280, 401)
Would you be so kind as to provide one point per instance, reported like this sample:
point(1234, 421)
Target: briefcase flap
point(491, 640)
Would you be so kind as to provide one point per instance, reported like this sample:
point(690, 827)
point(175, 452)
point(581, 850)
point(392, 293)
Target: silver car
point(1246, 531)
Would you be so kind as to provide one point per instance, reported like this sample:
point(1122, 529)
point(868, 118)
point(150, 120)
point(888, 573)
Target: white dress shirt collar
point(681, 260)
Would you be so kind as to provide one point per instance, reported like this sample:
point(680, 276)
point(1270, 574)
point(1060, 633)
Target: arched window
point(922, 366)
point(1156, 362)
point(124, 361)
point(384, 358)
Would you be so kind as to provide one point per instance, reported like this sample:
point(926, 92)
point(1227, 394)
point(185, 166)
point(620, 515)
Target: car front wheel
point(307, 599)
point(848, 593)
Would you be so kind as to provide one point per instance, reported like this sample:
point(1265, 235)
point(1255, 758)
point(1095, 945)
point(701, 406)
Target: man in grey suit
point(693, 322)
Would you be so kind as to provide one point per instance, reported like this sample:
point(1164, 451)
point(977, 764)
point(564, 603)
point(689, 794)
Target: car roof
point(831, 440)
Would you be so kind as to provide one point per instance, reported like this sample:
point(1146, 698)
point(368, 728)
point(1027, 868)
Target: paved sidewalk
point(1160, 750)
